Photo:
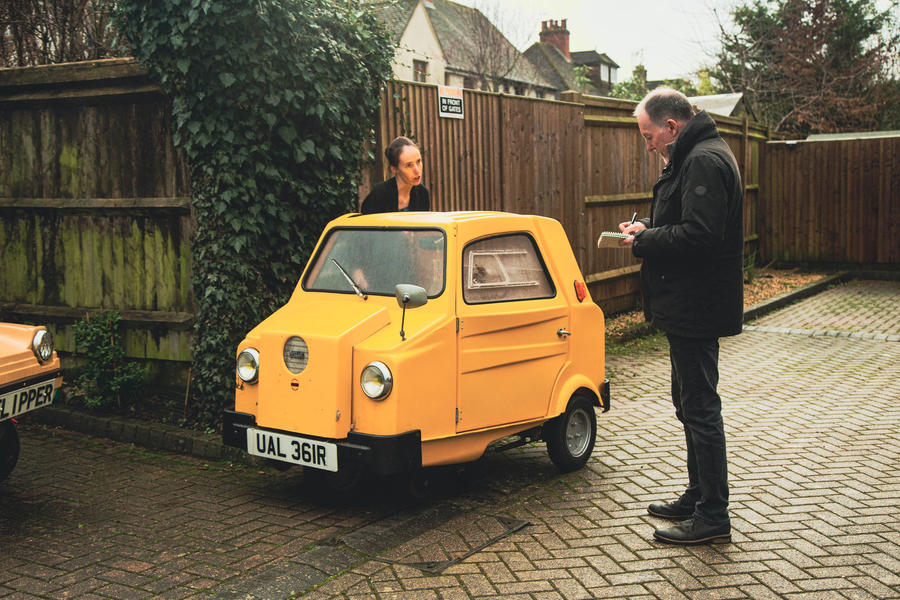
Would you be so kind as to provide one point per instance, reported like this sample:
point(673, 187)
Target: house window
point(420, 71)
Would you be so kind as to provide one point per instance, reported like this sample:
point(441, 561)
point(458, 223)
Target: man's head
point(661, 115)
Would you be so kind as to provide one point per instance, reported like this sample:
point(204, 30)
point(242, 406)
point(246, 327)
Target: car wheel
point(570, 436)
point(9, 448)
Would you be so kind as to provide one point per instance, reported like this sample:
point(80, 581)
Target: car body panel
point(471, 366)
point(21, 370)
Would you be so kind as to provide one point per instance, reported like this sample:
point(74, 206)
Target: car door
point(511, 340)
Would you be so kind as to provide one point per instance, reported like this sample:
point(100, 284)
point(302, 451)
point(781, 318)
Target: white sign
point(450, 102)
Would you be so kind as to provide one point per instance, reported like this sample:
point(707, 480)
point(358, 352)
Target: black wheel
point(9, 448)
point(570, 436)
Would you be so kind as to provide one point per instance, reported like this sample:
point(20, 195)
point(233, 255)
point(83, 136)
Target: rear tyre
point(9, 448)
point(570, 437)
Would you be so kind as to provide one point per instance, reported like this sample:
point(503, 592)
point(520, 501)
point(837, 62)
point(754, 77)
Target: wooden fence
point(832, 201)
point(96, 212)
point(581, 160)
point(95, 205)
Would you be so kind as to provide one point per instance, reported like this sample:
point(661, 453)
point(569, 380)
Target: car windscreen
point(376, 260)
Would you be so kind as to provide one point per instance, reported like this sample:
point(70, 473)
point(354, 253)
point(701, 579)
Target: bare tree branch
point(36, 32)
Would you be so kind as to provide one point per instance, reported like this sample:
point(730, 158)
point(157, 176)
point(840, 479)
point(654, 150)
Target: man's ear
point(673, 126)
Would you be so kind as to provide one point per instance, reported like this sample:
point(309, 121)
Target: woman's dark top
point(384, 198)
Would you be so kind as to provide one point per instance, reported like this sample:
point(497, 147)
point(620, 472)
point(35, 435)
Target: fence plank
point(831, 201)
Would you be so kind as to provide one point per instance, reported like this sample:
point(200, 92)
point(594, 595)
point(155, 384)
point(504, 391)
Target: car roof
point(429, 218)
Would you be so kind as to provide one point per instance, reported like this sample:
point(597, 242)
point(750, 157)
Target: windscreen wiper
point(349, 279)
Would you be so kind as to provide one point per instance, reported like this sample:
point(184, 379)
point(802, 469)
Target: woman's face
point(409, 166)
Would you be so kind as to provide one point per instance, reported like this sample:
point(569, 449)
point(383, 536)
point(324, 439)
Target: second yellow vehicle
point(30, 378)
point(418, 339)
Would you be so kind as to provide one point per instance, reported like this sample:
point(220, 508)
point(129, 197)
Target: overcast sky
point(671, 38)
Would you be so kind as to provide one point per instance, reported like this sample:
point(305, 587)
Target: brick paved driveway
point(812, 409)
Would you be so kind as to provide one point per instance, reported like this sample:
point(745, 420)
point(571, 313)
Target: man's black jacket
point(692, 272)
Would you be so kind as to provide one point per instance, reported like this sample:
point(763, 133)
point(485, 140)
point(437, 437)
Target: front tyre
point(9, 448)
point(570, 437)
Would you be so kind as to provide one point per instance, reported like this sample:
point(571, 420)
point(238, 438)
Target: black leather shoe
point(677, 510)
point(692, 532)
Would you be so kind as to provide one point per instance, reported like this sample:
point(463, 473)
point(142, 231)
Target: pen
point(633, 217)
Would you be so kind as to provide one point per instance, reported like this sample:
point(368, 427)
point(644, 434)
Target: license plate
point(292, 449)
point(17, 402)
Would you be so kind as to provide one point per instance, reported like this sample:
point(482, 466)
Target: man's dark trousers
point(695, 376)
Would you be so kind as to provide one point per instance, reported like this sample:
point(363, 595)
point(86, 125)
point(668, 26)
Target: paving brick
point(813, 423)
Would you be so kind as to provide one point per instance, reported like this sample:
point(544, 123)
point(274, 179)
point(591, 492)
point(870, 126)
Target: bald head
point(662, 104)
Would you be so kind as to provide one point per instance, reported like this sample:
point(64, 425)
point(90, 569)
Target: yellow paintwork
point(466, 375)
point(18, 364)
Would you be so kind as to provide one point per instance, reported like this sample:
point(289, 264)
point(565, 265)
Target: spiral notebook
point(611, 239)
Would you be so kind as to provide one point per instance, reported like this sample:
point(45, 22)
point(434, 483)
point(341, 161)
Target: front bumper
point(29, 394)
point(378, 454)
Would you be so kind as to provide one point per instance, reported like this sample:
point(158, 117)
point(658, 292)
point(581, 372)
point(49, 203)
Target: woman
point(403, 191)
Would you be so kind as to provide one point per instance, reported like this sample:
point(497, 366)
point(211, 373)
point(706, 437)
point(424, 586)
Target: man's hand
point(630, 228)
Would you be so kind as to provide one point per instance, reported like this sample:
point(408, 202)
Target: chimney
point(557, 35)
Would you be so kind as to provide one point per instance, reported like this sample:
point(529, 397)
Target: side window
point(504, 268)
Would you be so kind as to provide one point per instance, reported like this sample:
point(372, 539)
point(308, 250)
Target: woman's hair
point(393, 151)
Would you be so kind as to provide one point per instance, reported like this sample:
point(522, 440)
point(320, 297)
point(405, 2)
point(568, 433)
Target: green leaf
point(287, 133)
point(227, 79)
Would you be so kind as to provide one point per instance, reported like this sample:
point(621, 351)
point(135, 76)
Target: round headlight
point(296, 354)
point(376, 380)
point(42, 345)
point(248, 365)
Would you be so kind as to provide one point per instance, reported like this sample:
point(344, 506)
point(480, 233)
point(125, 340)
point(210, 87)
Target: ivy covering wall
point(272, 103)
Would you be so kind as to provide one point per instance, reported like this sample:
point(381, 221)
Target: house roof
point(395, 15)
point(857, 135)
point(556, 69)
point(451, 24)
point(721, 104)
point(592, 57)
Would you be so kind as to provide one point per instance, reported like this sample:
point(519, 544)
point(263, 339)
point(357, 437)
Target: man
point(692, 283)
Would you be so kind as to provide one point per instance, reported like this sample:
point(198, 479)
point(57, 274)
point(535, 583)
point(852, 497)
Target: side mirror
point(412, 296)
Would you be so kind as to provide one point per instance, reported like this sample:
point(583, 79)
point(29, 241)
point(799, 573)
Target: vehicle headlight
point(376, 380)
point(296, 354)
point(248, 365)
point(42, 345)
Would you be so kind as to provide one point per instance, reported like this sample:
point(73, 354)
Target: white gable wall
point(419, 43)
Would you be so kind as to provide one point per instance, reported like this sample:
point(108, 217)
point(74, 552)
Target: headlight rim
point(254, 354)
point(386, 375)
point(42, 339)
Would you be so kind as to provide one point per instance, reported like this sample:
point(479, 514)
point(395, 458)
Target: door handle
point(563, 332)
